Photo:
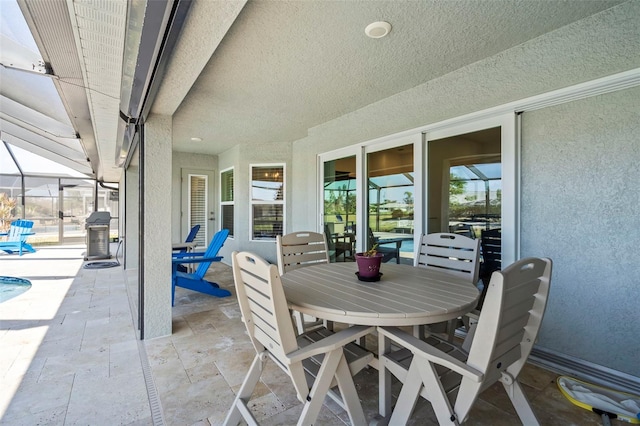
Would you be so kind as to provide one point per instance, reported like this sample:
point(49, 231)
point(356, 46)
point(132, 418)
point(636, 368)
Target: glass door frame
point(66, 184)
point(419, 172)
point(360, 152)
point(510, 159)
point(352, 151)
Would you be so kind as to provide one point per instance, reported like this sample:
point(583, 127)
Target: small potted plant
point(369, 264)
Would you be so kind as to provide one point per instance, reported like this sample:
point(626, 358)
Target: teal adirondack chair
point(16, 238)
point(196, 281)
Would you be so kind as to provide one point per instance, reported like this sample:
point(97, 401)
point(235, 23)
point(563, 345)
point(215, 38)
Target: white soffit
point(99, 30)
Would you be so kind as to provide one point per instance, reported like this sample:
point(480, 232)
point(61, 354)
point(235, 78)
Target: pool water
point(11, 287)
point(407, 246)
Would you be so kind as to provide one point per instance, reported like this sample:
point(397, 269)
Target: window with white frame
point(267, 201)
point(227, 203)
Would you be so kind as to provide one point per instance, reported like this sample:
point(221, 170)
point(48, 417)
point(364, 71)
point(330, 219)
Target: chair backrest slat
point(518, 292)
point(508, 325)
point(212, 251)
point(190, 237)
point(262, 312)
point(266, 314)
point(192, 234)
point(452, 253)
point(18, 228)
point(299, 249)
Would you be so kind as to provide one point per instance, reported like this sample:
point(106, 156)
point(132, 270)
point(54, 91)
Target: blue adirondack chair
point(17, 237)
point(196, 281)
point(189, 239)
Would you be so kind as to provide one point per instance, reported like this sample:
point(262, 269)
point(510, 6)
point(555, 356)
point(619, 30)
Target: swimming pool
point(11, 287)
point(407, 246)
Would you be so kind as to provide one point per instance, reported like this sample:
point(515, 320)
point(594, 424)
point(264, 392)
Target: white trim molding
point(584, 370)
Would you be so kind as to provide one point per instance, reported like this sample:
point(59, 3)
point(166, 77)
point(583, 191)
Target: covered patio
point(180, 110)
point(71, 356)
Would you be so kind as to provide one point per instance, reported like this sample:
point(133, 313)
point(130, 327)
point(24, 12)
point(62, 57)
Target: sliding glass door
point(340, 200)
point(472, 186)
point(391, 202)
point(465, 183)
point(460, 178)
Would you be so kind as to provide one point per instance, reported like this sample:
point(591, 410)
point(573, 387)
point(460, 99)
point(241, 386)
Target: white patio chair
point(315, 361)
point(299, 249)
point(454, 254)
point(296, 250)
point(498, 347)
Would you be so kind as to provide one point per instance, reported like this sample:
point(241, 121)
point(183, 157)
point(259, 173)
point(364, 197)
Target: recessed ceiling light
point(196, 139)
point(377, 29)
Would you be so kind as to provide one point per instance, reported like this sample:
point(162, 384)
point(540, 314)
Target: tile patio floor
point(69, 356)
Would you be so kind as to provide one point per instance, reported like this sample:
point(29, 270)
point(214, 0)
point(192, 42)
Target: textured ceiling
point(284, 67)
point(267, 71)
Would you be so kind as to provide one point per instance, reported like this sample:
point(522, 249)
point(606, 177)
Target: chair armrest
point(330, 343)
point(189, 254)
point(198, 260)
point(432, 354)
point(22, 234)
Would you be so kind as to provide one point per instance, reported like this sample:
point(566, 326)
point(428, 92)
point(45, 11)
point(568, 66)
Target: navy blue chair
point(189, 239)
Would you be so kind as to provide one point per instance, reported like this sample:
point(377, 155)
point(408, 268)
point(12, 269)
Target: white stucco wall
point(580, 198)
point(602, 45)
point(156, 259)
point(241, 158)
point(179, 161)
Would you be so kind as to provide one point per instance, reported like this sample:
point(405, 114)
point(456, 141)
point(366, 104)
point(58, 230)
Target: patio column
point(156, 226)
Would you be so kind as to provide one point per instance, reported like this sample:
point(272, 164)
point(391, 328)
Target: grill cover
point(98, 219)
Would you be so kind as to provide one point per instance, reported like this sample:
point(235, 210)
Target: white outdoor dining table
point(404, 296)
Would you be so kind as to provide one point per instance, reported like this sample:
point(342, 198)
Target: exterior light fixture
point(377, 29)
point(196, 139)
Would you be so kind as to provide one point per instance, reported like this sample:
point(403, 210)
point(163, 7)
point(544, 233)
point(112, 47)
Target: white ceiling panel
point(32, 114)
point(21, 115)
point(287, 66)
point(63, 152)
